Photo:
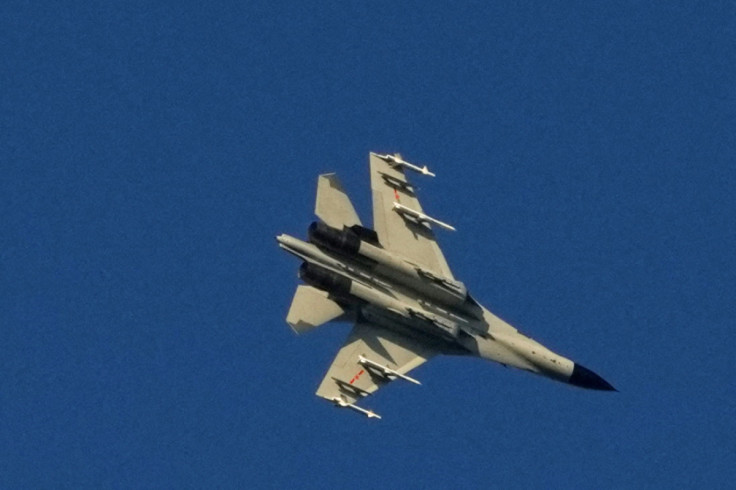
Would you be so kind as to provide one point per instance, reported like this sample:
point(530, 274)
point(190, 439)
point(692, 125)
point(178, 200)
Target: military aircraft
point(393, 282)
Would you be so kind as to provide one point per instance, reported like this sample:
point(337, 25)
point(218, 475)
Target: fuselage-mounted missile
point(341, 285)
point(358, 242)
point(413, 315)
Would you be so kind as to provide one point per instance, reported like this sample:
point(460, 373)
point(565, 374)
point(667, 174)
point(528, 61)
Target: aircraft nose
point(585, 378)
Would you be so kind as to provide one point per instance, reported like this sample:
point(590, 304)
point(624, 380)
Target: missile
point(348, 242)
point(342, 285)
point(330, 274)
point(421, 217)
point(388, 372)
point(395, 160)
point(341, 402)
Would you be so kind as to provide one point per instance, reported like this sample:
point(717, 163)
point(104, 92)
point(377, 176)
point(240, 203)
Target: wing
point(371, 357)
point(401, 232)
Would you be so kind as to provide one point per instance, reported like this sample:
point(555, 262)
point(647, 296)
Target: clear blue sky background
point(149, 154)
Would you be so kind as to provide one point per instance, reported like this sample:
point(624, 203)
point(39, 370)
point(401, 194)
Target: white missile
point(389, 264)
point(421, 217)
point(340, 402)
point(397, 161)
point(388, 372)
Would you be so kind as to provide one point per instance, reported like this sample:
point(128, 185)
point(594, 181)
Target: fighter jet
point(394, 284)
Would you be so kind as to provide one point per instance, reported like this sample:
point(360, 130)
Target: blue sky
point(584, 151)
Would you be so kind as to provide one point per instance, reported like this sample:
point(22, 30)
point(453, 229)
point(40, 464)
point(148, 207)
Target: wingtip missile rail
point(394, 161)
point(342, 403)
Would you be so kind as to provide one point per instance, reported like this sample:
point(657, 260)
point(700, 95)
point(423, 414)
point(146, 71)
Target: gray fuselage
point(390, 290)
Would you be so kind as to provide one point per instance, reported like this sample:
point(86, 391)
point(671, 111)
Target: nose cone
point(585, 378)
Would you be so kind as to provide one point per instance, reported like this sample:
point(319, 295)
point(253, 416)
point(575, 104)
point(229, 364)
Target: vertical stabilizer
point(333, 205)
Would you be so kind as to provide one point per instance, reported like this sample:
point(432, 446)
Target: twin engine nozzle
point(323, 235)
point(359, 242)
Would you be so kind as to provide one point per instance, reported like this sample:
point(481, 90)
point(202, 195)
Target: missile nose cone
point(282, 239)
point(585, 378)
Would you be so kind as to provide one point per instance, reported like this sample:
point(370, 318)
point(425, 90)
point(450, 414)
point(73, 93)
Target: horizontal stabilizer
point(311, 308)
point(333, 205)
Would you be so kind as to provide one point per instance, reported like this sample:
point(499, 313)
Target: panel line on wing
point(399, 220)
point(349, 377)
